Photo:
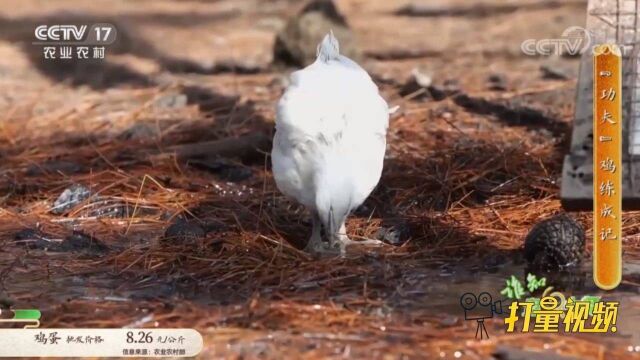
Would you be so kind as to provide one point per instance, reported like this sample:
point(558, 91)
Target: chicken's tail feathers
point(329, 48)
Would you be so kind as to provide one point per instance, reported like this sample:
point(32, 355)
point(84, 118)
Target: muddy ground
point(462, 185)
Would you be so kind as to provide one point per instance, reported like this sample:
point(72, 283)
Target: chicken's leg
point(315, 243)
point(344, 241)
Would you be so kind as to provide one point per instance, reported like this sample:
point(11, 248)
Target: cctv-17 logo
point(98, 34)
point(60, 32)
point(79, 42)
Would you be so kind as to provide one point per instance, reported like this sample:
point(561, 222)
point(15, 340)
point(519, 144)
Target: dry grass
point(466, 185)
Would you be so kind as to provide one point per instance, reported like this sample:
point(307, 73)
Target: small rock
point(449, 320)
point(6, 302)
point(418, 80)
point(213, 227)
point(434, 91)
point(555, 243)
point(396, 234)
point(451, 86)
point(296, 44)
point(33, 239)
point(26, 234)
point(81, 242)
point(171, 101)
point(139, 131)
point(421, 78)
point(497, 82)
point(70, 197)
point(76, 242)
point(183, 230)
point(411, 87)
point(495, 78)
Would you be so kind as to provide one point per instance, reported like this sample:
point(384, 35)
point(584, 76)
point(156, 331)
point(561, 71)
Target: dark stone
point(396, 234)
point(417, 81)
point(55, 167)
point(183, 230)
point(81, 242)
point(410, 87)
point(296, 44)
point(26, 234)
point(512, 113)
point(451, 86)
point(139, 131)
point(70, 197)
point(213, 227)
point(76, 242)
point(224, 169)
point(496, 82)
point(6, 302)
point(33, 239)
point(496, 78)
point(441, 92)
point(236, 67)
point(326, 8)
point(555, 243)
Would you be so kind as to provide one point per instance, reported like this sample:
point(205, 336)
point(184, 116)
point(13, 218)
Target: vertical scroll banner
point(607, 166)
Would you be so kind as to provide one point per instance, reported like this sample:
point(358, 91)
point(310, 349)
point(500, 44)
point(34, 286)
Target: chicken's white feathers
point(328, 49)
point(330, 138)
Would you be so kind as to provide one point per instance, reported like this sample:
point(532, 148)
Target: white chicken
point(330, 141)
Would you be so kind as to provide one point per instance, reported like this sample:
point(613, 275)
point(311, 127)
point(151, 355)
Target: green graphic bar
point(26, 314)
